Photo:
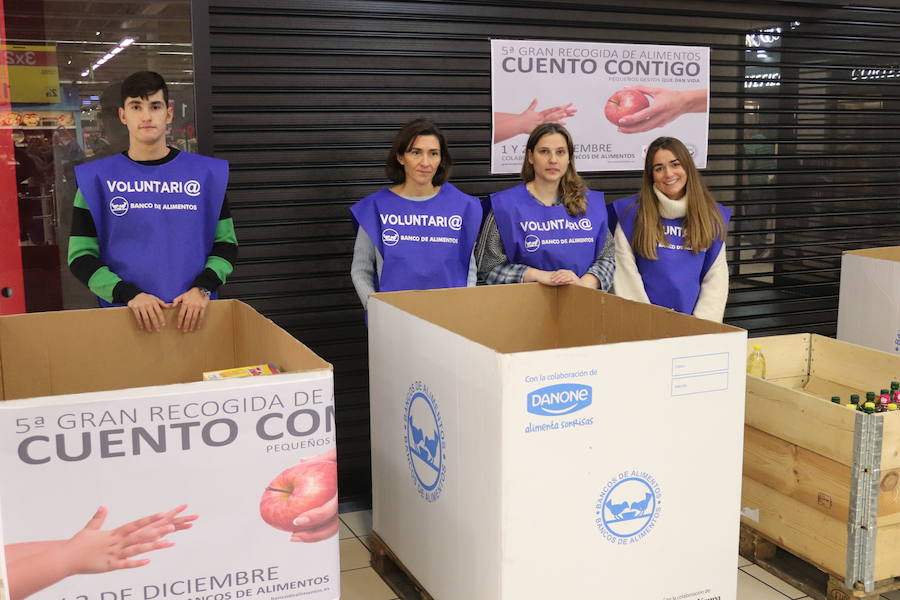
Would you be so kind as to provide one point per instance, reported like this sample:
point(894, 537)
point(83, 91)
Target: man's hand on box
point(148, 311)
point(193, 305)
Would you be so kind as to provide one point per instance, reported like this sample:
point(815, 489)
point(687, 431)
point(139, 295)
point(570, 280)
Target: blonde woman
point(670, 238)
point(550, 229)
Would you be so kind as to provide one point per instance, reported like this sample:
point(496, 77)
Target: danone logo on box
point(559, 399)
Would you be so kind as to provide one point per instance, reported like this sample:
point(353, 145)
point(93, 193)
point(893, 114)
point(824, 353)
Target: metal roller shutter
point(303, 97)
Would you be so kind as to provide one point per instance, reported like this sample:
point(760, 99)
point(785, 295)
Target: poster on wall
point(615, 99)
point(217, 495)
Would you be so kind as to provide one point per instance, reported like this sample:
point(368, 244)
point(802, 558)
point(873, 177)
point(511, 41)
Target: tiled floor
point(360, 582)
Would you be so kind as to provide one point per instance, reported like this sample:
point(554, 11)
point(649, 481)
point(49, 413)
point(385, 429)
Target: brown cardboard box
point(68, 352)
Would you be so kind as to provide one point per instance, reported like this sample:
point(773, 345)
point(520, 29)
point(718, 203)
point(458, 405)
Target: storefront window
point(65, 60)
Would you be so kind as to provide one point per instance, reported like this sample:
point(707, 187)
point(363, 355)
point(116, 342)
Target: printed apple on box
point(209, 490)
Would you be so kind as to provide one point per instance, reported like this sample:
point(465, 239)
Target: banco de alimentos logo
point(628, 507)
point(423, 434)
point(390, 237)
point(118, 206)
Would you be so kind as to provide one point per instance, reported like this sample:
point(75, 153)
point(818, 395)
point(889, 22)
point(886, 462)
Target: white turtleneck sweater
point(628, 283)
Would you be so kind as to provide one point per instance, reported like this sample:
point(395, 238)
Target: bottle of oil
point(756, 363)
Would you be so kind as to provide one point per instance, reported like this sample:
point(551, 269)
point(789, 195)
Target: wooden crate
point(394, 572)
point(820, 480)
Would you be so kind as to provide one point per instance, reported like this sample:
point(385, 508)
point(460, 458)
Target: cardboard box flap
point(68, 352)
point(529, 317)
point(507, 318)
point(886, 253)
point(258, 340)
point(101, 349)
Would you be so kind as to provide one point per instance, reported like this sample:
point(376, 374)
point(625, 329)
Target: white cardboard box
point(532, 442)
point(67, 448)
point(869, 307)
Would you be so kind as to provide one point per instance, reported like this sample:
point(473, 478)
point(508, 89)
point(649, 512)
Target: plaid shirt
point(494, 266)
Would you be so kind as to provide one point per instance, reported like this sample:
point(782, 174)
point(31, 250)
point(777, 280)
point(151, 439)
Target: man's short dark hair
point(403, 143)
point(143, 84)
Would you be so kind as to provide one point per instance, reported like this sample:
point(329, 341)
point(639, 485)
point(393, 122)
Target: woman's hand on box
point(554, 278)
point(148, 311)
point(33, 566)
point(589, 280)
point(328, 455)
point(319, 523)
point(94, 550)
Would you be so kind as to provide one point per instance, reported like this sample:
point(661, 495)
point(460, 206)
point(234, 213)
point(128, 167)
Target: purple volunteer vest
point(155, 224)
point(673, 279)
point(548, 237)
point(425, 244)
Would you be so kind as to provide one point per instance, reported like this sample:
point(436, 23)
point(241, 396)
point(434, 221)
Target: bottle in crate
point(756, 363)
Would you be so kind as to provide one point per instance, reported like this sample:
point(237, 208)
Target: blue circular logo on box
point(425, 443)
point(629, 507)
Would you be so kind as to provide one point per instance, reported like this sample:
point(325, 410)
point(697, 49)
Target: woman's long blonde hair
point(703, 223)
point(572, 185)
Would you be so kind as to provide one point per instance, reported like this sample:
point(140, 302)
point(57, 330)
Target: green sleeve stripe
point(79, 200)
point(103, 282)
point(225, 231)
point(83, 246)
point(221, 267)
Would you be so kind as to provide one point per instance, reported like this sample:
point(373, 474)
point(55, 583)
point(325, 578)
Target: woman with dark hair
point(670, 238)
point(550, 229)
point(418, 234)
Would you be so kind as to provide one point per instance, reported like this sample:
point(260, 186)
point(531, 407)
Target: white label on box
point(699, 374)
point(699, 384)
point(696, 365)
point(750, 513)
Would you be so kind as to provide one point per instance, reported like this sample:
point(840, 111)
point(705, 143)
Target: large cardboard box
point(869, 307)
point(99, 414)
point(531, 442)
point(819, 479)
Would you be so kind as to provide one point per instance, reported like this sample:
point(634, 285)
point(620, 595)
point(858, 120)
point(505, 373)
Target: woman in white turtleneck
point(670, 238)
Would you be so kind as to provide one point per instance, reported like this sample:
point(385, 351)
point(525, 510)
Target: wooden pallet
point(801, 574)
point(393, 571)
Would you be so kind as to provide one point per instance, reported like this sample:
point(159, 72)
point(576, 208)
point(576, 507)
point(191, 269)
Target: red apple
point(297, 490)
point(624, 103)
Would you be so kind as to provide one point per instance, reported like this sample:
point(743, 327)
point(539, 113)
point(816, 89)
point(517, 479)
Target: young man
point(151, 227)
